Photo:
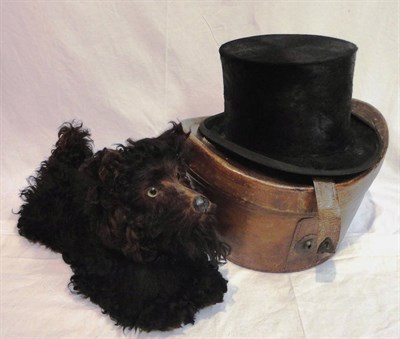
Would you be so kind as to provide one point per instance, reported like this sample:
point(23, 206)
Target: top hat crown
point(287, 105)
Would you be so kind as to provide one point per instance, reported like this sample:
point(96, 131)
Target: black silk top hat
point(288, 106)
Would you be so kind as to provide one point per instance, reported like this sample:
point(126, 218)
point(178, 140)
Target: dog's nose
point(201, 204)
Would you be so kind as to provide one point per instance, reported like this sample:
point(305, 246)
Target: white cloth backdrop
point(126, 68)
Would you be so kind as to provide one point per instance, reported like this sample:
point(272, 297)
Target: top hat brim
point(361, 155)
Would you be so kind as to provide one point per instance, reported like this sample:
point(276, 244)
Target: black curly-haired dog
point(139, 239)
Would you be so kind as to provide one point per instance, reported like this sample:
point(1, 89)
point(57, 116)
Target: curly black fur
point(127, 222)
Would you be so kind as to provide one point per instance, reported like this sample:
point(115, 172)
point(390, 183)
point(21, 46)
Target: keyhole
point(305, 245)
point(308, 244)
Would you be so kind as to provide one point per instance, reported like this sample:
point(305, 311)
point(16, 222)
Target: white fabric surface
point(126, 68)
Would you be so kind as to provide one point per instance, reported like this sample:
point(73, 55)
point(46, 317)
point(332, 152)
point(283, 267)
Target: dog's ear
point(127, 241)
point(114, 233)
point(137, 250)
point(175, 137)
point(103, 165)
point(132, 247)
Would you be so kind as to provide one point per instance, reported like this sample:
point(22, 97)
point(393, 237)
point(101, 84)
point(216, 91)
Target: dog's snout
point(201, 203)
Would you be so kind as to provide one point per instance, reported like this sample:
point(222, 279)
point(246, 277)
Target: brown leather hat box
point(290, 159)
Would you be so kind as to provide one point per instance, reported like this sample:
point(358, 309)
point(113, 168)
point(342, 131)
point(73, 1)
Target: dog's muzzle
point(201, 204)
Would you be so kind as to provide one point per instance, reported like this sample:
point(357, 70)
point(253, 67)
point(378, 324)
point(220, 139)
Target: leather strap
point(315, 238)
point(329, 217)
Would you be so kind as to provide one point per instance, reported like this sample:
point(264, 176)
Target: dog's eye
point(152, 192)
